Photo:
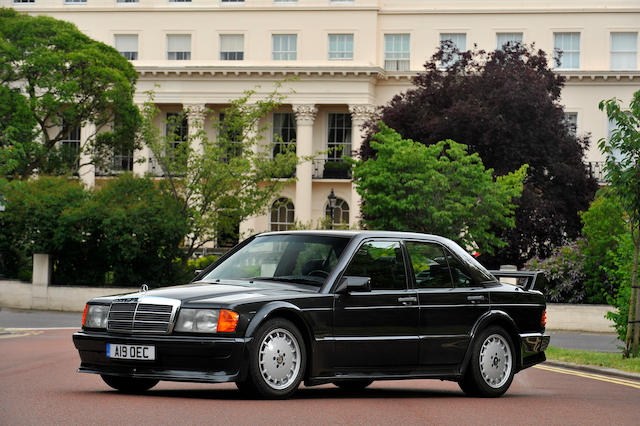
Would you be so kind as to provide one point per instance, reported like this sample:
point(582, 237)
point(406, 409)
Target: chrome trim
point(144, 300)
point(535, 342)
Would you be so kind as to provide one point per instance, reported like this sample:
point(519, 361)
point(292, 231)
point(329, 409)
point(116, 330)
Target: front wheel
point(492, 364)
point(276, 361)
point(129, 384)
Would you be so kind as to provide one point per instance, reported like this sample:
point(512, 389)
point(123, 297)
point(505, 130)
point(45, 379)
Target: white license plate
point(145, 353)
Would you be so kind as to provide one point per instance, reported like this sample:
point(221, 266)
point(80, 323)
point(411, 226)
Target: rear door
point(377, 330)
point(450, 303)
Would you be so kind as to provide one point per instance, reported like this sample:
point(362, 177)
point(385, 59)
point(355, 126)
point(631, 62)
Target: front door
point(377, 329)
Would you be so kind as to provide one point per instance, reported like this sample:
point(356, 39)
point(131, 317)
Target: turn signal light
point(84, 314)
point(543, 321)
point(228, 321)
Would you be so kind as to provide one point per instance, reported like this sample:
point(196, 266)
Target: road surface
point(39, 385)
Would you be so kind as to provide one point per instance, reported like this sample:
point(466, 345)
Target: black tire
point(492, 364)
point(129, 384)
point(355, 385)
point(277, 360)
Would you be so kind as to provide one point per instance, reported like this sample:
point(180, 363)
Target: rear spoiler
point(528, 280)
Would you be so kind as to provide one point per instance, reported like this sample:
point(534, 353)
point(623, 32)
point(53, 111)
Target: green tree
point(219, 183)
point(604, 224)
point(504, 105)
point(622, 170)
point(439, 189)
point(55, 79)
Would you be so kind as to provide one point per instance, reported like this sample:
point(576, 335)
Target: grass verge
point(599, 359)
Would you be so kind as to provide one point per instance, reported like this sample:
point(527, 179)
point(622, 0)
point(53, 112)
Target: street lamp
point(332, 205)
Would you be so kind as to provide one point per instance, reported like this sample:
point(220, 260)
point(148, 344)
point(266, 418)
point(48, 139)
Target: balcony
point(597, 168)
point(331, 169)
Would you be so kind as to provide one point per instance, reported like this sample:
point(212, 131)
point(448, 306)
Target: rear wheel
point(276, 361)
point(355, 385)
point(492, 364)
point(129, 384)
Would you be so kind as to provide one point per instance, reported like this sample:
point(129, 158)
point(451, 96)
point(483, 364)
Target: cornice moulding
point(197, 71)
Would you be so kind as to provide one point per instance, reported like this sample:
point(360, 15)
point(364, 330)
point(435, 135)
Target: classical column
point(142, 156)
point(360, 113)
point(87, 170)
point(305, 116)
point(195, 118)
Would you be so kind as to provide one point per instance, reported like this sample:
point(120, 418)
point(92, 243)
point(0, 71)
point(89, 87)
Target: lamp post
point(332, 205)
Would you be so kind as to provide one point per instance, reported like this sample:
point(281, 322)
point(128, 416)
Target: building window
point(566, 50)
point(339, 136)
point(122, 160)
point(341, 46)
point(285, 47)
point(284, 131)
point(179, 1)
point(23, 1)
point(624, 51)
point(231, 47)
point(70, 148)
point(612, 126)
point(571, 121)
point(285, 1)
point(282, 215)
point(127, 1)
point(178, 47)
point(177, 131)
point(396, 52)
point(75, 1)
point(340, 213)
point(459, 41)
point(232, 1)
point(230, 139)
point(127, 45)
point(507, 38)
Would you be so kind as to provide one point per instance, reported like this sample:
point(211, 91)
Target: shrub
point(565, 273)
point(126, 233)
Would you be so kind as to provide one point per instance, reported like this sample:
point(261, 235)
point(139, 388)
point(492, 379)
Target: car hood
point(230, 292)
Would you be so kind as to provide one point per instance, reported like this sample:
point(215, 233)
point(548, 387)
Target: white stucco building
point(347, 56)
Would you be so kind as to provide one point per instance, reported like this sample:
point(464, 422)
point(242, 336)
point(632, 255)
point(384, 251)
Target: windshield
point(307, 259)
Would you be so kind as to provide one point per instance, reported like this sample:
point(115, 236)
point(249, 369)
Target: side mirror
point(354, 284)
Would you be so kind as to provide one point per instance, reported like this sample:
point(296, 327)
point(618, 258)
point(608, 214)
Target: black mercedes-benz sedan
point(342, 307)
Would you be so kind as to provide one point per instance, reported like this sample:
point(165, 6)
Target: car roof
point(363, 234)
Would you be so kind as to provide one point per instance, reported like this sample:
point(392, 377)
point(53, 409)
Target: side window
point(381, 261)
point(459, 273)
point(429, 265)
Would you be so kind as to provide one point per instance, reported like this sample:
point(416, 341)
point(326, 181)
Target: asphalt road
point(39, 385)
point(12, 318)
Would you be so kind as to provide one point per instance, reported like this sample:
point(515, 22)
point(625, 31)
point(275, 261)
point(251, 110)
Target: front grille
point(135, 316)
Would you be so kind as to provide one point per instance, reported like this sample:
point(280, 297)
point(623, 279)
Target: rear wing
point(527, 280)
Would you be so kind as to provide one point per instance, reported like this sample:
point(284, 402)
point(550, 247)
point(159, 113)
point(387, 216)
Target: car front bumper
point(178, 358)
point(533, 346)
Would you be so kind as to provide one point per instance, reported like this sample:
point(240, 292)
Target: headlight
point(95, 316)
point(206, 321)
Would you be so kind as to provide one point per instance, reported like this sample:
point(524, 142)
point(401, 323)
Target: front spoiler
point(179, 358)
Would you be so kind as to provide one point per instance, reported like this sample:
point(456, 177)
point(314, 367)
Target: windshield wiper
point(288, 279)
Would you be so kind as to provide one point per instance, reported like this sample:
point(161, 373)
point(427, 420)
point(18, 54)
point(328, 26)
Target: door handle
point(408, 300)
point(477, 298)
